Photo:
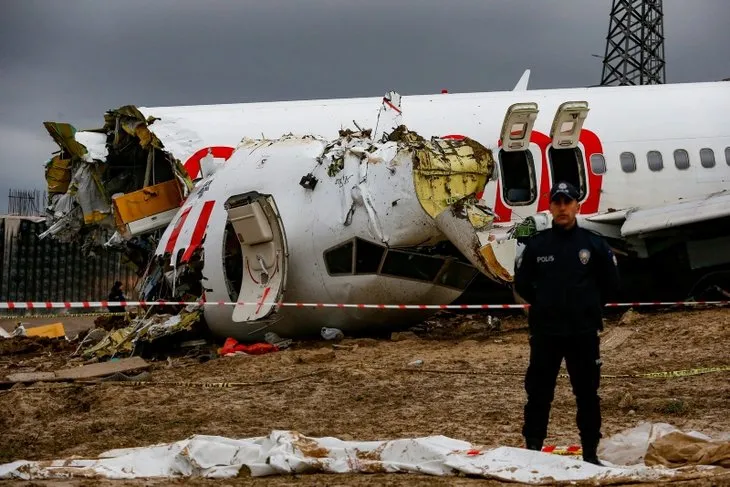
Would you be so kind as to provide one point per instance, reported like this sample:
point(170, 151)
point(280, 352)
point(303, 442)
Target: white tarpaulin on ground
point(287, 452)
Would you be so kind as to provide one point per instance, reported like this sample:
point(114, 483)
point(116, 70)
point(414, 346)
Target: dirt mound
point(111, 322)
point(33, 345)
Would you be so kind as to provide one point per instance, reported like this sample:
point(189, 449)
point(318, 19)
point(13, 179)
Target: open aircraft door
point(517, 169)
point(264, 253)
point(567, 162)
point(517, 126)
point(567, 124)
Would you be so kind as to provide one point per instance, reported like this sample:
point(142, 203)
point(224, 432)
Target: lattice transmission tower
point(635, 44)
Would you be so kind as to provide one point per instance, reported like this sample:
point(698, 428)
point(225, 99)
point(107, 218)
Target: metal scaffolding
point(635, 44)
point(25, 203)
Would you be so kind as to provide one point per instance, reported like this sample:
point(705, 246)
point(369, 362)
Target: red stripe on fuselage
point(192, 165)
point(199, 231)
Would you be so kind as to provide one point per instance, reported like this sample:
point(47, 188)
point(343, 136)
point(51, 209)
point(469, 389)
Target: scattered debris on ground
point(468, 387)
point(111, 322)
point(146, 335)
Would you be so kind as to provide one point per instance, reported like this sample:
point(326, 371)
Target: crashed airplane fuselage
point(305, 219)
point(652, 164)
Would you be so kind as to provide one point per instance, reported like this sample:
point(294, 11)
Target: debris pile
point(112, 186)
point(142, 334)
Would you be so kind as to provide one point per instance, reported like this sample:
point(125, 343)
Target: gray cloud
point(72, 60)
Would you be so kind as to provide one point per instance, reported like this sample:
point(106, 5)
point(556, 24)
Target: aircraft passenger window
point(367, 256)
point(411, 266)
point(567, 165)
point(339, 259)
point(707, 158)
point(518, 177)
point(681, 159)
point(598, 164)
point(727, 155)
point(458, 275)
point(654, 158)
point(628, 162)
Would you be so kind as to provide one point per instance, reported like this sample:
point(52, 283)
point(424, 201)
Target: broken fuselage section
point(115, 186)
point(309, 220)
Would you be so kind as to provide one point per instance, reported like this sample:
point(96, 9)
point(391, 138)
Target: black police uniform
point(116, 294)
point(566, 276)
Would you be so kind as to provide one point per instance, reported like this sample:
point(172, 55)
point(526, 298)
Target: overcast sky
point(71, 60)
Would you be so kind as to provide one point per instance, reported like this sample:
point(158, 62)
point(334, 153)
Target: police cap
point(564, 188)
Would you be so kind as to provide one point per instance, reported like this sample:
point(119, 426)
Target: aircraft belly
point(293, 321)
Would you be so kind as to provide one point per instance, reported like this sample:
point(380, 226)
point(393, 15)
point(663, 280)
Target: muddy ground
point(469, 387)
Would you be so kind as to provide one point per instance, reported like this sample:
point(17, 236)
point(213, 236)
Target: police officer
point(116, 294)
point(566, 274)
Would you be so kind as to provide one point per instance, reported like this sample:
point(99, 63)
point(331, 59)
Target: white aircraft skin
point(313, 221)
point(637, 119)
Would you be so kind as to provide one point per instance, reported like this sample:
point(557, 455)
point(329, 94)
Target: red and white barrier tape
point(11, 305)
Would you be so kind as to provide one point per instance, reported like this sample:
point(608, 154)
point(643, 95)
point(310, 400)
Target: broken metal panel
point(146, 202)
point(390, 116)
point(499, 257)
point(63, 134)
point(58, 174)
point(130, 120)
point(457, 226)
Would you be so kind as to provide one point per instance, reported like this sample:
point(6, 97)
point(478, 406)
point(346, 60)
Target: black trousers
point(582, 359)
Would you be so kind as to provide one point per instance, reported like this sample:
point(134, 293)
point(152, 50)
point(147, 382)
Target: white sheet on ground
point(286, 452)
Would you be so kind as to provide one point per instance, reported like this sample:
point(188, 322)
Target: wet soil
point(469, 386)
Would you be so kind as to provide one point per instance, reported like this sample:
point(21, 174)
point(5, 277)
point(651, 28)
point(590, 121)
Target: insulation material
point(447, 171)
point(58, 174)
point(89, 196)
point(288, 452)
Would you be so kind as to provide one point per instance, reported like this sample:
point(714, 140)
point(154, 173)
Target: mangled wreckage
point(113, 186)
point(222, 202)
point(383, 216)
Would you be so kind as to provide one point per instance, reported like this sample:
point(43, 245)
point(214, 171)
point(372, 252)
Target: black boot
point(533, 444)
point(589, 453)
